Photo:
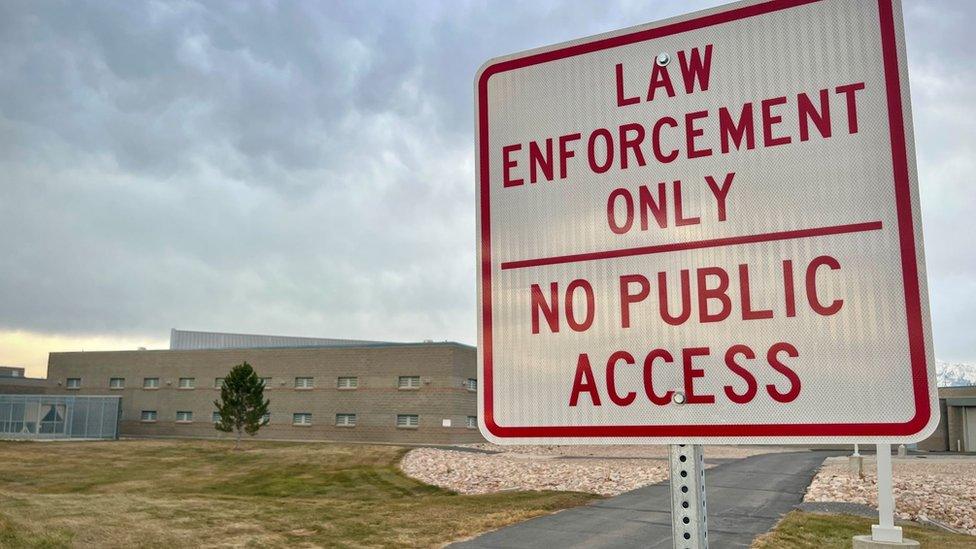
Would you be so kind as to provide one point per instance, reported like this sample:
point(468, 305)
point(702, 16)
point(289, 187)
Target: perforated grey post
point(688, 519)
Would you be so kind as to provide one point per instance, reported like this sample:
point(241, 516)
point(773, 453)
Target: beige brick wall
point(950, 429)
point(937, 442)
point(956, 392)
point(24, 386)
point(443, 368)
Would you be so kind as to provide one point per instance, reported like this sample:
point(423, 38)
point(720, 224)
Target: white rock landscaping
point(604, 470)
point(936, 488)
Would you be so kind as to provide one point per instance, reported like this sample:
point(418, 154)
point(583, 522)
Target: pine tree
point(242, 405)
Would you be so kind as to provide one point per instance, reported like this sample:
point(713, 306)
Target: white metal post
point(856, 462)
point(689, 529)
point(885, 530)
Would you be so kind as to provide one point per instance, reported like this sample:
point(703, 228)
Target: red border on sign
point(906, 233)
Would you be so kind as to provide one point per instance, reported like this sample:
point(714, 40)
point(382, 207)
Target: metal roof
point(186, 340)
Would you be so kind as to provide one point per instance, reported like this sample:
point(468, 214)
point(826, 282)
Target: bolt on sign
point(705, 230)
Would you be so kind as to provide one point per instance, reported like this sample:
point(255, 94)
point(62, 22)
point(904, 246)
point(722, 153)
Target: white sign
point(705, 230)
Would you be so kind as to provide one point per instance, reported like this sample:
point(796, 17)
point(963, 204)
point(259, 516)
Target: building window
point(73, 383)
point(184, 417)
point(472, 422)
point(188, 382)
point(216, 417)
point(218, 383)
point(303, 382)
point(301, 419)
point(266, 382)
point(150, 383)
point(345, 420)
point(472, 384)
point(148, 415)
point(116, 383)
point(348, 382)
point(408, 382)
point(407, 421)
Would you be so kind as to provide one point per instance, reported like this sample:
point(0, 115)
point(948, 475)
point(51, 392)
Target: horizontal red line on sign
point(694, 245)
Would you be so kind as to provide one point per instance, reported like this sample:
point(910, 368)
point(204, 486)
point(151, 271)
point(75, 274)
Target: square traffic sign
point(705, 230)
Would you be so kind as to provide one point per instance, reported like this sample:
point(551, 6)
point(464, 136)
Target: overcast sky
point(306, 168)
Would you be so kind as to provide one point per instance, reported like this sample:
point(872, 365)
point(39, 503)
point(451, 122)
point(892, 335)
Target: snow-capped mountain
point(955, 374)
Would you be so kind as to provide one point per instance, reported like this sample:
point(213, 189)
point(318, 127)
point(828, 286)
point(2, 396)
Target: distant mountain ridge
point(955, 374)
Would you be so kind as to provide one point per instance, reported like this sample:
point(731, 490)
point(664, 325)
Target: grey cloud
point(307, 167)
point(943, 77)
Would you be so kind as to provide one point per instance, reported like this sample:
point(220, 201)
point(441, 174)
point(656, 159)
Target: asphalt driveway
point(745, 498)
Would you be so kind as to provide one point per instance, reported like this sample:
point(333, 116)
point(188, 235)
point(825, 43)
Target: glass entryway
point(58, 417)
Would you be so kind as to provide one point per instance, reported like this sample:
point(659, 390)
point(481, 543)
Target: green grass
point(202, 493)
point(800, 530)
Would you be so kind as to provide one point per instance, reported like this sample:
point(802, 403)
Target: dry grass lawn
point(201, 493)
point(800, 530)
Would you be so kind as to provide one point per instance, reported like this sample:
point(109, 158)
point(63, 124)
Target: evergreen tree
point(242, 405)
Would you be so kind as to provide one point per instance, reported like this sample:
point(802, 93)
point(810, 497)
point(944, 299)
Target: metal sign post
point(689, 527)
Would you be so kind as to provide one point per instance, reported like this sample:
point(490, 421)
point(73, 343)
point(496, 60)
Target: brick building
point(957, 421)
point(11, 371)
point(319, 389)
point(13, 381)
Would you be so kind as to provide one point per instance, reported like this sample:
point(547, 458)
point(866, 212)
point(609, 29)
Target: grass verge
point(273, 494)
point(799, 530)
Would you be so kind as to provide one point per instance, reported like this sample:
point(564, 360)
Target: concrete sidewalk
point(745, 498)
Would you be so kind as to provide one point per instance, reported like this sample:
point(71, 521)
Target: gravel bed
point(655, 451)
point(942, 489)
point(468, 473)
point(604, 470)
